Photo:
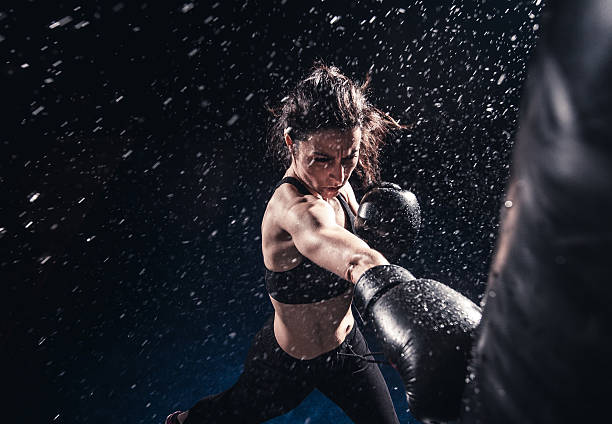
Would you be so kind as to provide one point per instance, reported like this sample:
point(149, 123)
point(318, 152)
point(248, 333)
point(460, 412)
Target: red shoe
point(173, 418)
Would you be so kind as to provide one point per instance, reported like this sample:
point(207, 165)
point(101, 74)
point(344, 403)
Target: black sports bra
point(307, 282)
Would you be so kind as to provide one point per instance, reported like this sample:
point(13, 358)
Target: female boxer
point(326, 129)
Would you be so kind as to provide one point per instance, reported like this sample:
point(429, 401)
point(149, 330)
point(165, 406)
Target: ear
point(288, 141)
point(290, 145)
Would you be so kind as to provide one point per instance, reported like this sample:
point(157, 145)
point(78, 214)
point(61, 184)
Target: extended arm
point(312, 225)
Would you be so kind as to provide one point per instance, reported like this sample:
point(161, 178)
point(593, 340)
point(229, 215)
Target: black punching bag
point(544, 350)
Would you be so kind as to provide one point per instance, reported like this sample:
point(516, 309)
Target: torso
point(307, 330)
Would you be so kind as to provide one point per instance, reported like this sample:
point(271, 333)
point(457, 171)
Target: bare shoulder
point(291, 210)
point(308, 213)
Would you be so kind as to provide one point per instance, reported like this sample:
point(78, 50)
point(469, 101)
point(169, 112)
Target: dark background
point(134, 179)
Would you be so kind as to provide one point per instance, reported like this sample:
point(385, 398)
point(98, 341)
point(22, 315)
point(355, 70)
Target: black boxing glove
point(426, 331)
point(388, 220)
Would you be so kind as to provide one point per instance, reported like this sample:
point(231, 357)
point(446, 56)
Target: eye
point(349, 158)
point(321, 160)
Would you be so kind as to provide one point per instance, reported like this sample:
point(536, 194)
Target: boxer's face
point(325, 159)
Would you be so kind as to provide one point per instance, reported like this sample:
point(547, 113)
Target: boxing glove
point(425, 330)
point(388, 220)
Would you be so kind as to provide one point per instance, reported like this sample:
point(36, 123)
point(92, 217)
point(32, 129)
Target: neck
point(291, 172)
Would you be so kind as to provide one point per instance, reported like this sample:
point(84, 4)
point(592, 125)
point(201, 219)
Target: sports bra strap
point(295, 182)
point(347, 211)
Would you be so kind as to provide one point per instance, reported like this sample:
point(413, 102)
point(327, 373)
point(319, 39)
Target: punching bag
point(544, 345)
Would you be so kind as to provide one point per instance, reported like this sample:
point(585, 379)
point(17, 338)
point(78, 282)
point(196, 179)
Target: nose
point(337, 173)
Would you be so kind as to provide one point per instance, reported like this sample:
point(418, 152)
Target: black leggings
point(274, 383)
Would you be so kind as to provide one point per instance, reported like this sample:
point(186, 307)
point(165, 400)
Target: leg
point(272, 384)
point(357, 386)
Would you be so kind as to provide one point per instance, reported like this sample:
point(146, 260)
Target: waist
point(305, 335)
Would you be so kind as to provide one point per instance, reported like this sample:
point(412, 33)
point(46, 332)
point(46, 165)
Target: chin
point(329, 192)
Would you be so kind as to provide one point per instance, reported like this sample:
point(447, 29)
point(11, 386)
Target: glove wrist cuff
point(375, 282)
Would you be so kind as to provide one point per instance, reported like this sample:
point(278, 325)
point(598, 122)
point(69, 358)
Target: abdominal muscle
point(305, 331)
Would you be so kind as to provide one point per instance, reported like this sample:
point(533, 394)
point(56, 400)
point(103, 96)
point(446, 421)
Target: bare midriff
point(305, 331)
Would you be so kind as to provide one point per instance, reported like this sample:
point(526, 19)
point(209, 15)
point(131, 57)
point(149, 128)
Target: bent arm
point(317, 236)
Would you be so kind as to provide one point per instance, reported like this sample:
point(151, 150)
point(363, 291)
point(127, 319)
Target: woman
point(326, 129)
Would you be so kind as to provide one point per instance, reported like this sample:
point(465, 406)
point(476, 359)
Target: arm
point(315, 233)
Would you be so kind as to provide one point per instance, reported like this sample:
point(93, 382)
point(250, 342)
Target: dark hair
point(327, 99)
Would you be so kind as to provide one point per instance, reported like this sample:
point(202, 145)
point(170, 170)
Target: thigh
point(271, 384)
point(358, 386)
